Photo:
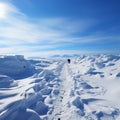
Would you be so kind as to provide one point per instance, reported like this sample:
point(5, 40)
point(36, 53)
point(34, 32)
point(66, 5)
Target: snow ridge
point(52, 89)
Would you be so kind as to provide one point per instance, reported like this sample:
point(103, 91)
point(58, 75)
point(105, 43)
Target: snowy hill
point(52, 89)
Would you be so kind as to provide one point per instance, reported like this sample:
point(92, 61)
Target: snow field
point(47, 89)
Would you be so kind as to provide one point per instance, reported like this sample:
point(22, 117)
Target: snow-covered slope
point(48, 89)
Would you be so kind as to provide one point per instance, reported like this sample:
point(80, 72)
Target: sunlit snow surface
point(51, 89)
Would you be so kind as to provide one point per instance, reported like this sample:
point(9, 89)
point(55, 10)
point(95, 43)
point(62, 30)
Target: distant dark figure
point(58, 118)
point(68, 60)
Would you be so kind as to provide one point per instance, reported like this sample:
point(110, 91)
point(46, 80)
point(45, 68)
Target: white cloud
point(6, 9)
point(21, 34)
point(62, 52)
point(18, 26)
point(2, 10)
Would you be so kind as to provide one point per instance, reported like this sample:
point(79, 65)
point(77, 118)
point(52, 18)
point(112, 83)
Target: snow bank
point(15, 66)
point(20, 114)
point(6, 82)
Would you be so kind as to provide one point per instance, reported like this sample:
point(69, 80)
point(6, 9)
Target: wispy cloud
point(20, 34)
point(7, 9)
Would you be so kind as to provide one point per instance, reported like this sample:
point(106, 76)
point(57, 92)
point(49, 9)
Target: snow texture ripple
point(87, 88)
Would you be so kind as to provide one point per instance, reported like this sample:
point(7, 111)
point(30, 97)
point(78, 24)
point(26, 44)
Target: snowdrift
point(51, 89)
point(15, 67)
point(6, 82)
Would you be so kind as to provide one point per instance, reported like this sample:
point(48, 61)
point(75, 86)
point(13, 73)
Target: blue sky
point(48, 27)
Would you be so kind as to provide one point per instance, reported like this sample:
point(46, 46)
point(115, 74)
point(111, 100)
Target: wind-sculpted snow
point(15, 66)
point(6, 82)
point(52, 89)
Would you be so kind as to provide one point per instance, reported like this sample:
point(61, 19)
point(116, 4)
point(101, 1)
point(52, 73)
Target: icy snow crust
point(52, 89)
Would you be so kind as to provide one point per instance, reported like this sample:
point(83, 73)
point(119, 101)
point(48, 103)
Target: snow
point(16, 67)
point(6, 81)
point(52, 89)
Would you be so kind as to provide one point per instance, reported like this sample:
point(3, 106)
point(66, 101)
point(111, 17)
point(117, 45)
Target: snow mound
point(6, 82)
point(16, 67)
point(41, 108)
point(118, 74)
point(78, 103)
point(20, 114)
